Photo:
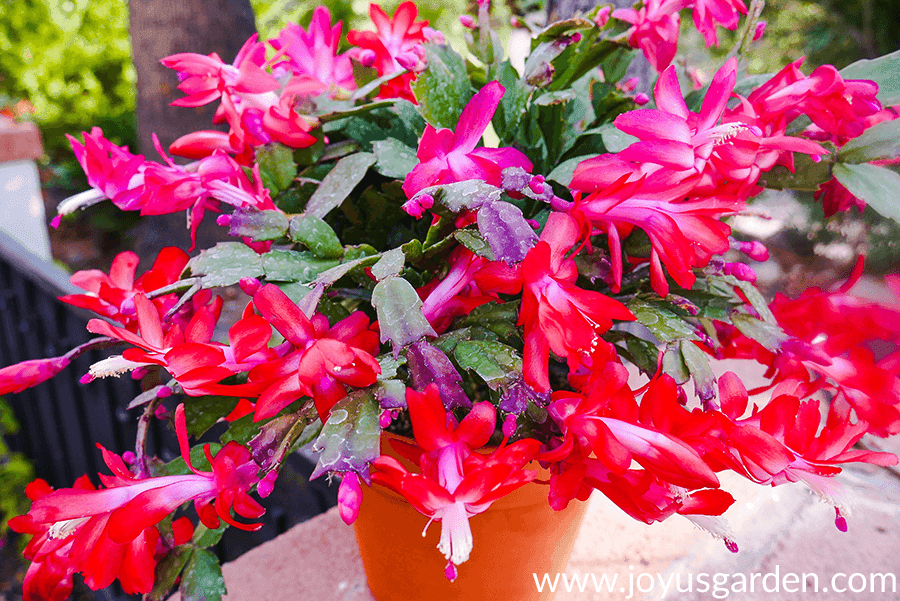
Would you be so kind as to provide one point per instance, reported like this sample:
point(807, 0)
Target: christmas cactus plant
point(476, 257)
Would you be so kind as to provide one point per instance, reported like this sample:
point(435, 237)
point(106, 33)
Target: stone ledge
point(19, 141)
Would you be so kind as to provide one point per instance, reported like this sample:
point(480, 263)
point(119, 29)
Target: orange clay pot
point(518, 536)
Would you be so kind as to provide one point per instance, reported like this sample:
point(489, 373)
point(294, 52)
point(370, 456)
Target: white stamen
point(456, 535)
point(722, 133)
point(65, 528)
point(113, 366)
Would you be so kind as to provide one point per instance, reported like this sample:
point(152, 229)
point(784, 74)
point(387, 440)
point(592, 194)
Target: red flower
point(318, 361)
point(111, 295)
point(187, 353)
point(783, 442)
point(557, 315)
point(456, 294)
point(593, 422)
point(455, 483)
point(684, 234)
point(111, 532)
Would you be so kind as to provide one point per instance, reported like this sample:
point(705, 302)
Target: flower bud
point(629, 84)
point(223, 220)
point(267, 484)
point(756, 250)
point(759, 31)
point(602, 17)
point(467, 21)
point(367, 57)
point(249, 285)
point(349, 497)
point(410, 61)
point(740, 271)
point(509, 425)
point(416, 206)
point(434, 36)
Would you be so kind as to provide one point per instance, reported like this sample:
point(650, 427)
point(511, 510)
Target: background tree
point(160, 28)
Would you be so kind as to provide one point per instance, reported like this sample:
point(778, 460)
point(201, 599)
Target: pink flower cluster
point(656, 23)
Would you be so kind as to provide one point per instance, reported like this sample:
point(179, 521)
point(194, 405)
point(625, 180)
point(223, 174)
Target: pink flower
point(111, 170)
point(684, 234)
point(730, 154)
point(556, 315)
point(312, 55)
point(395, 44)
point(840, 109)
point(255, 112)
point(454, 483)
point(671, 135)
point(206, 78)
point(446, 156)
point(18, 377)
point(655, 29)
point(709, 13)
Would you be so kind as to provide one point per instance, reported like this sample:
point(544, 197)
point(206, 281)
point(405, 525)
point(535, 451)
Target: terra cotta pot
point(519, 536)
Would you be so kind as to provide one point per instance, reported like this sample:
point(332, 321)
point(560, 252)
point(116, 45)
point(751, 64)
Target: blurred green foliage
point(823, 31)
point(15, 472)
point(72, 60)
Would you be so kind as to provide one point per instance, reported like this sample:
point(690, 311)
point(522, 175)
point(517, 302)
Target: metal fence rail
point(63, 420)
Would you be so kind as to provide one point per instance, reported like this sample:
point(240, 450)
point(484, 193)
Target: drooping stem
point(140, 445)
point(95, 343)
point(742, 44)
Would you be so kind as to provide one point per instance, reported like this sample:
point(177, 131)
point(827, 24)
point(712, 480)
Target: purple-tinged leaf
point(281, 436)
point(351, 438)
point(514, 179)
point(428, 364)
point(390, 394)
point(506, 231)
point(515, 394)
point(399, 310)
point(258, 225)
point(458, 196)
